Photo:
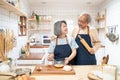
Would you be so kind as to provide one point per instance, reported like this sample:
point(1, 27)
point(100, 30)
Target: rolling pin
point(84, 43)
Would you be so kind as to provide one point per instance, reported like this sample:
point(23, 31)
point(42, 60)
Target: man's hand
point(92, 51)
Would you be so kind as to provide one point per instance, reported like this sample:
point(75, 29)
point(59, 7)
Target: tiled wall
point(65, 13)
point(59, 13)
point(9, 20)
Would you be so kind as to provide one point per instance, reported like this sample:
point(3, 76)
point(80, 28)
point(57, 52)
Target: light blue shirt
point(62, 41)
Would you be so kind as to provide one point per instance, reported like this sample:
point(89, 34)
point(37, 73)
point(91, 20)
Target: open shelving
point(4, 4)
point(101, 21)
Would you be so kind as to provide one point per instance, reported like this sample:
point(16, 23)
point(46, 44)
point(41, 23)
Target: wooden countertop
point(81, 73)
point(33, 56)
point(39, 46)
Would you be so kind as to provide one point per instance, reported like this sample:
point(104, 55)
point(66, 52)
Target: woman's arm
point(73, 54)
point(51, 51)
point(51, 57)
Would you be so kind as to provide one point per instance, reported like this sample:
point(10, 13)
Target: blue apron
point(83, 57)
point(62, 51)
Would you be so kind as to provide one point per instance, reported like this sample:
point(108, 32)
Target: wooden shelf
point(39, 46)
point(32, 20)
point(11, 8)
point(100, 27)
point(39, 30)
point(21, 35)
point(41, 21)
point(100, 19)
point(33, 56)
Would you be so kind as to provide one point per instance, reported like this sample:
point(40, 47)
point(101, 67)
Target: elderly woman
point(62, 47)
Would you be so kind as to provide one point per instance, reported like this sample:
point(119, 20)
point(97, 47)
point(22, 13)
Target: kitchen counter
point(33, 56)
point(39, 46)
point(33, 59)
point(81, 73)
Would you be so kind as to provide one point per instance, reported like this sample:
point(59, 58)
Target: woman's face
point(64, 29)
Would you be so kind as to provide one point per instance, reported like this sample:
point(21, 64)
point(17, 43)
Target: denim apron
point(62, 51)
point(84, 57)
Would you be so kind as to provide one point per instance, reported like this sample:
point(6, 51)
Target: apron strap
point(57, 41)
point(66, 40)
point(87, 30)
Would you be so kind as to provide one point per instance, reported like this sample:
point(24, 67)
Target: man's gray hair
point(88, 17)
point(57, 28)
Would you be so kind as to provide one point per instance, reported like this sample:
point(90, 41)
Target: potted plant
point(23, 52)
point(37, 20)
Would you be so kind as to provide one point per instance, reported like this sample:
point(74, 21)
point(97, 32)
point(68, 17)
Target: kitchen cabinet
point(37, 56)
point(101, 21)
point(33, 59)
point(11, 8)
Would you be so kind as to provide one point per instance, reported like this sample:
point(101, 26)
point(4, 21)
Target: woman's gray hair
point(57, 27)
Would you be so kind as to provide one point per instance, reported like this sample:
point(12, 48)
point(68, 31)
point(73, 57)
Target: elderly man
point(90, 35)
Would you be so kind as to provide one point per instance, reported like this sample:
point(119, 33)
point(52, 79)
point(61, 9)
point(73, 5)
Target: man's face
point(82, 22)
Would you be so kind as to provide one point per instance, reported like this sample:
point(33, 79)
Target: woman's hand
point(50, 57)
point(66, 60)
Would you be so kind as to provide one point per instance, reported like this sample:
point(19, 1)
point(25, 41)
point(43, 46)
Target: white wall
point(10, 21)
point(67, 13)
point(113, 18)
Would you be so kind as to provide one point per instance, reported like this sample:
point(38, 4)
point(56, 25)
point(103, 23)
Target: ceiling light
point(89, 2)
point(43, 2)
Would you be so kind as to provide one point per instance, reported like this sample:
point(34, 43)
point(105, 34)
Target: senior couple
point(71, 49)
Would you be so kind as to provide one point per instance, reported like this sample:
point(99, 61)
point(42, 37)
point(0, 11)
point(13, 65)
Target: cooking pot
point(112, 37)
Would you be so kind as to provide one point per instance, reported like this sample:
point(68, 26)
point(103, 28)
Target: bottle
point(33, 15)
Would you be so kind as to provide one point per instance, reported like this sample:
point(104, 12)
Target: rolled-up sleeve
point(73, 44)
point(95, 39)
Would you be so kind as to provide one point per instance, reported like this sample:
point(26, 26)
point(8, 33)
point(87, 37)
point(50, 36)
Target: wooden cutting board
point(32, 78)
point(51, 70)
